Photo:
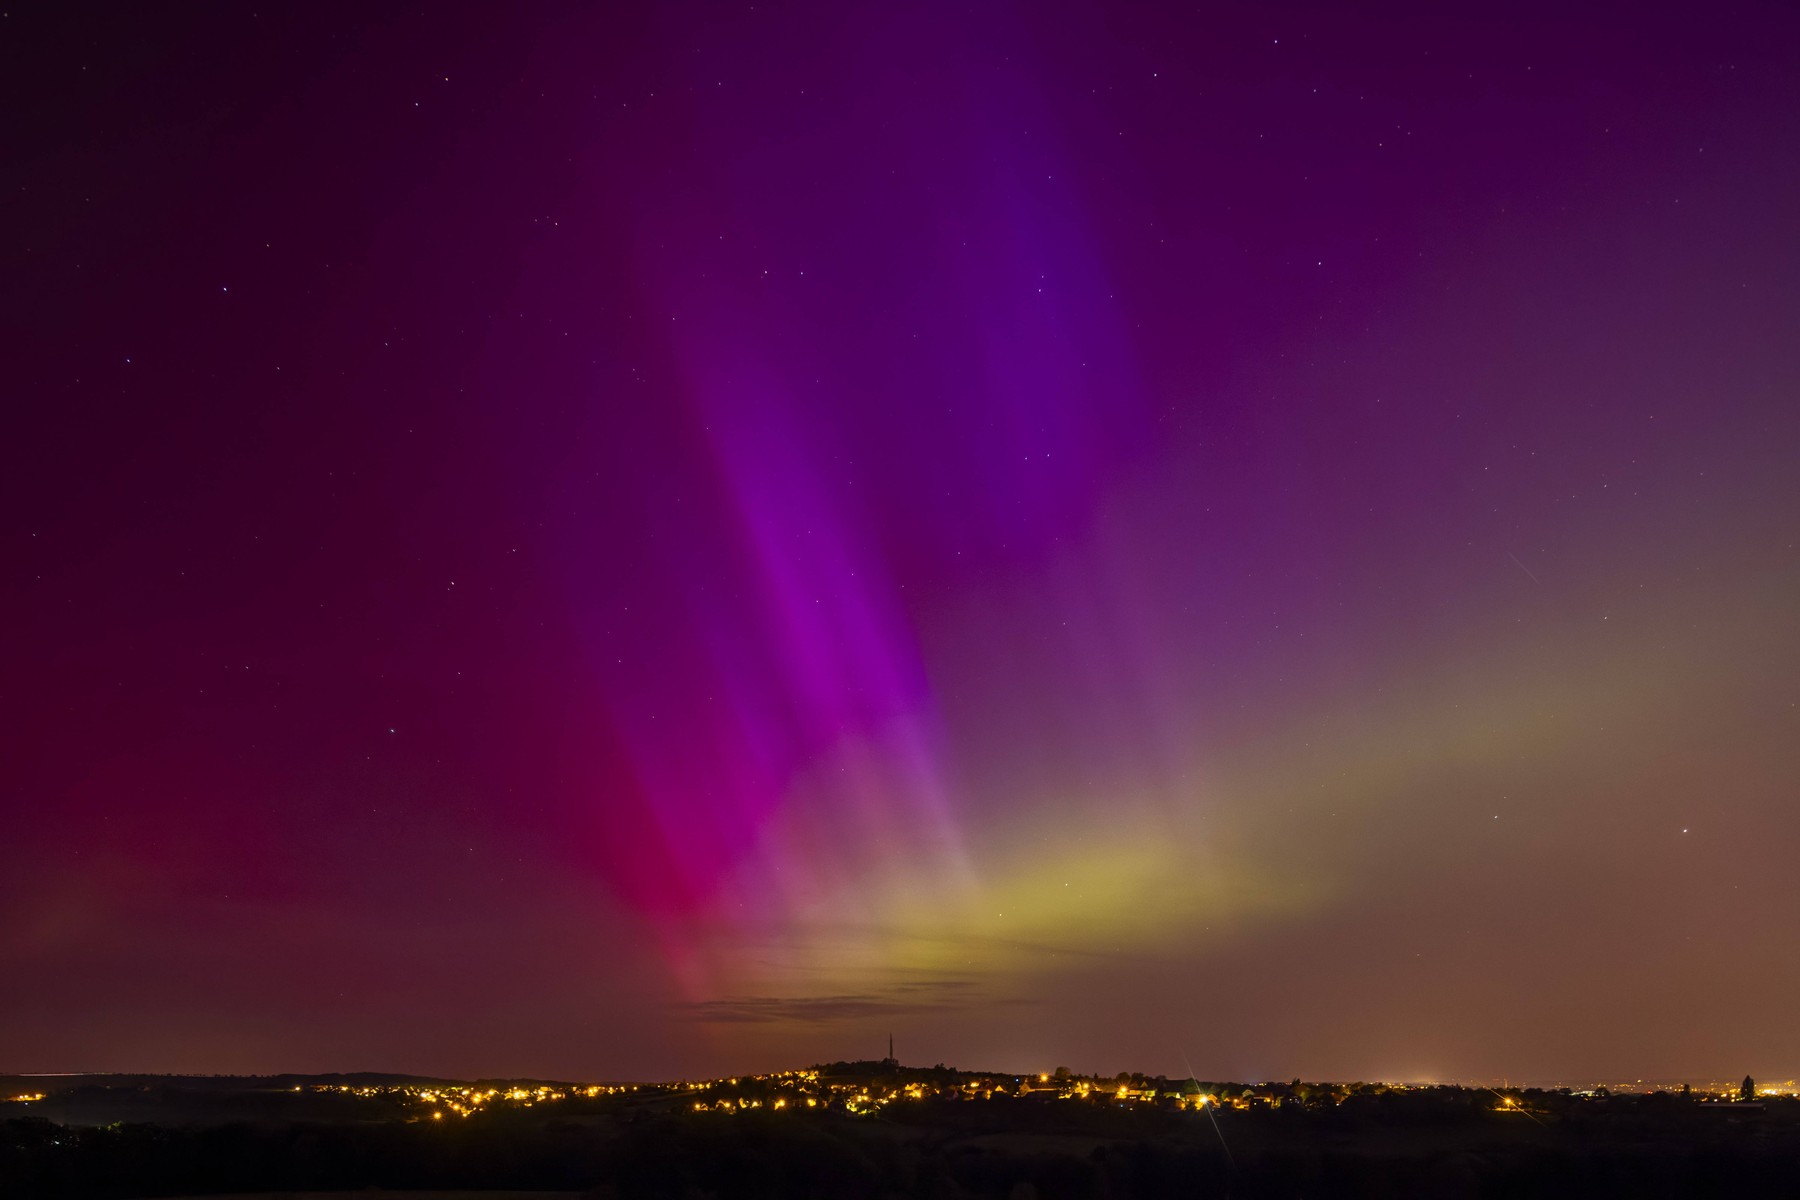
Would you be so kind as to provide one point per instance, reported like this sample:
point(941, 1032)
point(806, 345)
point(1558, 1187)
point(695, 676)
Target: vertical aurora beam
point(899, 383)
point(800, 672)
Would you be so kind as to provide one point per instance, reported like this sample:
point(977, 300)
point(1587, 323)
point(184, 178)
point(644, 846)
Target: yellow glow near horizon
point(1129, 882)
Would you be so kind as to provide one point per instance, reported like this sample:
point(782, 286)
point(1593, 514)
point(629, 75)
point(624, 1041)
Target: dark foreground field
point(1432, 1143)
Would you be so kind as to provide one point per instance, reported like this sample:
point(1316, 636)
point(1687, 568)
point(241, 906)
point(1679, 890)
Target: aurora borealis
point(653, 540)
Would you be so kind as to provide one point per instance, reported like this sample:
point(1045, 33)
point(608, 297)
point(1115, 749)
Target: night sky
point(631, 541)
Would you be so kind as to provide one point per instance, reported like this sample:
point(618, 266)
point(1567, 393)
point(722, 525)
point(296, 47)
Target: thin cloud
point(914, 996)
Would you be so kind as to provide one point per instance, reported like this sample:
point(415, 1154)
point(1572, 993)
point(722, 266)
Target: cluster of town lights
point(867, 1092)
point(464, 1100)
point(783, 1090)
point(863, 1096)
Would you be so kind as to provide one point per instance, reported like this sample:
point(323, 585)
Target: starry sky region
point(636, 541)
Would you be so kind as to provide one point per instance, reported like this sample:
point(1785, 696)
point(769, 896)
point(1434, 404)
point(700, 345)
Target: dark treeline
point(951, 1152)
